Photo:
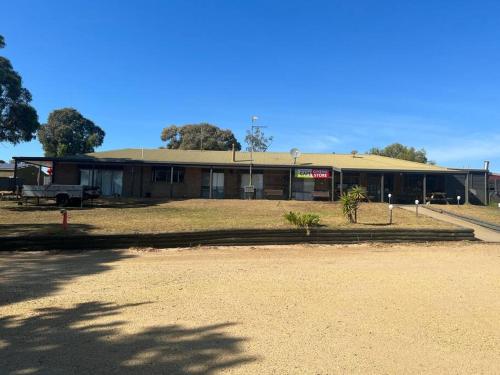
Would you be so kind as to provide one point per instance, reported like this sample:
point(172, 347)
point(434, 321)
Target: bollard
point(64, 214)
point(458, 200)
point(390, 196)
point(416, 206)
point(390, 213)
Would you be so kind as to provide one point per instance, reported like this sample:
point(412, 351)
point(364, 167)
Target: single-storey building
point(164, 173)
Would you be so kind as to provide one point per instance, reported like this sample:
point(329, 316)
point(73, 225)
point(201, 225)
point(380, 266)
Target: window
point(109, 180)
point(178, 174)
point(162, 174)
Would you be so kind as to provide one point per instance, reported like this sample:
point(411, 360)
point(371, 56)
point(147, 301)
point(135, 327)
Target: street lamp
point(458, 199)
point(390, 213)
point(390, 196)
point(416, 206)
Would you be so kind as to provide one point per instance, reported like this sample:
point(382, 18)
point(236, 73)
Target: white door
point(218, 185)
point(257, 182)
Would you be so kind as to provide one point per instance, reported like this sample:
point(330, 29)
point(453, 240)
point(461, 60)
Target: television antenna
point(295, 153)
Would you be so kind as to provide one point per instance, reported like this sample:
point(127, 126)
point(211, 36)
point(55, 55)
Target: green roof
point(267, 159)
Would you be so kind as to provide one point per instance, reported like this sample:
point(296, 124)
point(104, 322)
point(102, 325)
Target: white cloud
point(473, 148)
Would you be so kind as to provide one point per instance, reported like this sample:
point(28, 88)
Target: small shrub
point(303, 220)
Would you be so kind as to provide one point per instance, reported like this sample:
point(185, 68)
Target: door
point(218, 185)
point(257, 182)
point(110, 181)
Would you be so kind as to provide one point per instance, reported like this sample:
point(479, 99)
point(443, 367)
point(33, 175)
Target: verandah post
point(171, 181)
point(382, 188)
point(467, 188)
point(210, 183)
point(424, 188)
point(341, 183)
point(333, 185)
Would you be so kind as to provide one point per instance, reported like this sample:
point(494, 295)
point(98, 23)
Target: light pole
point(252, 145)
point(390, 213)
point(389, 196)
point(458, 200)
point(416, 206)
point(254, 118)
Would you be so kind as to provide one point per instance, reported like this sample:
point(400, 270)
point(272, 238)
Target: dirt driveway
point(268, 310)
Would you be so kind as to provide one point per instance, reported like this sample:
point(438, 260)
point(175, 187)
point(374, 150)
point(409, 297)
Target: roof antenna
point(295, 153)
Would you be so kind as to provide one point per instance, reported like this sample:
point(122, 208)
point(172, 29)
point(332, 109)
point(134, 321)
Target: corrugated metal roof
point(340, 161)
point(10, 166)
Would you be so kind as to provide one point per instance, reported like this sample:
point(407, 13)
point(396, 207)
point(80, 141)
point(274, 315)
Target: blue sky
point(324, 76)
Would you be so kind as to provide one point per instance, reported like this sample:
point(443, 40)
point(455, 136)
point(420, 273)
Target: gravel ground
point(367, 308)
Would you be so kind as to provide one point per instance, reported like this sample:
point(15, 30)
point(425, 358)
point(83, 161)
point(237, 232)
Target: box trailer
point(63, 194)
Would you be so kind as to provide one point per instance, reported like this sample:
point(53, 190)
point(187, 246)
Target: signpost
point(320, 174)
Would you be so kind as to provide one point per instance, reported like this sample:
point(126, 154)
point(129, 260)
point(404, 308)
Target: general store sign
point(313, 173)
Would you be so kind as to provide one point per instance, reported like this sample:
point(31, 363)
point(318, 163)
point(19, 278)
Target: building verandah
point(298, 182)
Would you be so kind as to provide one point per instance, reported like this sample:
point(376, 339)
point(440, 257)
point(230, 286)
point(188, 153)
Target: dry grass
point(359, 309)
point(191, 215)
point(490, 214)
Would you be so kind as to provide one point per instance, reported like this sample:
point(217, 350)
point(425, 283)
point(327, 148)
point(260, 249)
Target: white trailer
point(63, 194)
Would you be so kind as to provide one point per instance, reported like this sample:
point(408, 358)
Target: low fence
point(231, 238)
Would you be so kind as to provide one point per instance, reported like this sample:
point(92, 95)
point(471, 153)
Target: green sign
point(313, 173)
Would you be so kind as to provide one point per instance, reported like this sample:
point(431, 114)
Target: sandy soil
point(269, 310)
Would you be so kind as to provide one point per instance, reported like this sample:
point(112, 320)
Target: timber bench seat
point(321, 194)
point(273, 192)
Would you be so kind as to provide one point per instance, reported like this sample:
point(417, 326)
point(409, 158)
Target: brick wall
point(66, 174)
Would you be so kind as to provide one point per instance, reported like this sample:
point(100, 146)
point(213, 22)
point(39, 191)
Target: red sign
point(321, 173)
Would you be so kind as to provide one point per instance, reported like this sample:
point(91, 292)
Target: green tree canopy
point(67, 132)
point(18, 119)
point(258, 140)
point(399, 151)
point(201, 136)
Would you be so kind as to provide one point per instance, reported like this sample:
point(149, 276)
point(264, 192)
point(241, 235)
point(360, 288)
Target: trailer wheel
point(62, 200)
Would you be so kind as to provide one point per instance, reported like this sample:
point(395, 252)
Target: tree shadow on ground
point(35, 229)
point(47, 205)
point(25, 276)
point(88, 339)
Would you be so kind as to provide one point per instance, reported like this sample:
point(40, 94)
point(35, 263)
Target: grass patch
point(153, 216)
point(490, 214)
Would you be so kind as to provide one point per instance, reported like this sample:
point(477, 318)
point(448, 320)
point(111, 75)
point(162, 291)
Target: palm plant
point(350, 202)
point(358, 193)
point(348, 206)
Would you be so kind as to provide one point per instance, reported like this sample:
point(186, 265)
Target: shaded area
point(50, 205)
point(87, 339)
point(28, 229)
point(29, 276)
